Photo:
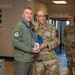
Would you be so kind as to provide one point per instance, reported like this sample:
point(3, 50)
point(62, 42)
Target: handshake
point(38, 41)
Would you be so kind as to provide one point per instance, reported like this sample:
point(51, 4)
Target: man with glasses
point(46, 62)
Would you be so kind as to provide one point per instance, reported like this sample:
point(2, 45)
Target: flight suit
point(22, 41)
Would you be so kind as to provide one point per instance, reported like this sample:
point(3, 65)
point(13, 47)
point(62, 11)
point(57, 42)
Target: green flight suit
point(22, 42)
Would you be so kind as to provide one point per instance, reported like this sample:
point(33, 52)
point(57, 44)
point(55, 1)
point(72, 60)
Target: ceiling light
point(59, 2)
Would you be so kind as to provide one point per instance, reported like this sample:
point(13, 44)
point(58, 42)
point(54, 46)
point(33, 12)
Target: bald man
point(46, 62)
point(23, 37)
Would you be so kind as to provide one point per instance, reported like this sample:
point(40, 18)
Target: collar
point(31, 24)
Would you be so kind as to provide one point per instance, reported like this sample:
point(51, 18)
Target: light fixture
point(59, 2)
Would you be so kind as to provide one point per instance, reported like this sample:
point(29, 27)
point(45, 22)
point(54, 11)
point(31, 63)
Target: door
point(60, 24)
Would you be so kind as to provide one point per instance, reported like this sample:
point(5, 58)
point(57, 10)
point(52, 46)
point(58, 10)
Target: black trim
point(7, 58)
point(62, 19)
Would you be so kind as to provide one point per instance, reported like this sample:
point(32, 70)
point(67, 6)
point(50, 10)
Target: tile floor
point(9, 66)
point(62, 61)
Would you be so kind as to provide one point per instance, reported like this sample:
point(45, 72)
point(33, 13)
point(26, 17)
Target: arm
point(50, 41)
point(18, 41)
point(54, 42)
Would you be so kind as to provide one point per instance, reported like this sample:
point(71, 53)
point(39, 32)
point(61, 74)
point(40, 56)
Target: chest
point(70, 31)
point(46, 33)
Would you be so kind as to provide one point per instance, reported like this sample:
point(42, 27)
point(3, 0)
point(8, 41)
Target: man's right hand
point(35, 50)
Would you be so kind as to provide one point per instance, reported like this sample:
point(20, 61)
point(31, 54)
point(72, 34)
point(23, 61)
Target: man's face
point(41, 17)
point(70, 18)
point(27, 15)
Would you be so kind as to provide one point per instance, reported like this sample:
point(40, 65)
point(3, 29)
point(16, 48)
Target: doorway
point(60, 24)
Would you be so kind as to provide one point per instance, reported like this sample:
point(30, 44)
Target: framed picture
point(0, 10)
point(46, 17)
point(0, 15)
point(35, 17)
point(0, 21)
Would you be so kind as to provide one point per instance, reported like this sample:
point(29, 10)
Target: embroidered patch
point(16, 34)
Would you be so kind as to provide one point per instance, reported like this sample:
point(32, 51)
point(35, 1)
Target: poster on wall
point(35, 17)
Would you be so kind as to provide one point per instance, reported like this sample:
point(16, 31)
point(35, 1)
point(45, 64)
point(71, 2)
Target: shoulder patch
point(16, 34)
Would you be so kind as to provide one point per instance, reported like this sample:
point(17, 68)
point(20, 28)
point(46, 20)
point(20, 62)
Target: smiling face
point(27, 15)
point(41, 17)
point(71, 18)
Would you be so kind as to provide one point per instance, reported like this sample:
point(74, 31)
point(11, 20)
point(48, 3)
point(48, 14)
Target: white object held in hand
point(36, 46)
point(38, 41)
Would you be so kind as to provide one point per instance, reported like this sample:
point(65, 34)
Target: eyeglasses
point(41, 15)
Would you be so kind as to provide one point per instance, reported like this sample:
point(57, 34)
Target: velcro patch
point(16, 34)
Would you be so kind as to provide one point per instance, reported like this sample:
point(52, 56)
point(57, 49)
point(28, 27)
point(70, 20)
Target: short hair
point(71, 15)
point(28, 8)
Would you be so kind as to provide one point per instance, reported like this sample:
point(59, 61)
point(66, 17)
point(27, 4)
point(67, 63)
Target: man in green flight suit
point(23, 37)
point(46, 62)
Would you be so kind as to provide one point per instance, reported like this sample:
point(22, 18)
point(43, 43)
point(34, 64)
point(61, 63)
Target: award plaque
point(38, 41)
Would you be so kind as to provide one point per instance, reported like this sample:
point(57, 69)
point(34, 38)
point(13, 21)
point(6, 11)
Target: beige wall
point(11, 14)
point(12, 10)
point(39, 6)
point(57, 10)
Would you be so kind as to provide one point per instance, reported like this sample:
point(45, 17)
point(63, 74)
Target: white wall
point(11, 14)
point(39, 6)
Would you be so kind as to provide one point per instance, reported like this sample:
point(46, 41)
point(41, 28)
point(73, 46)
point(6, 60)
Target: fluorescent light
point(59, 2)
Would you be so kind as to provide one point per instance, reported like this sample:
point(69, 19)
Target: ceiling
point(50, 1)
